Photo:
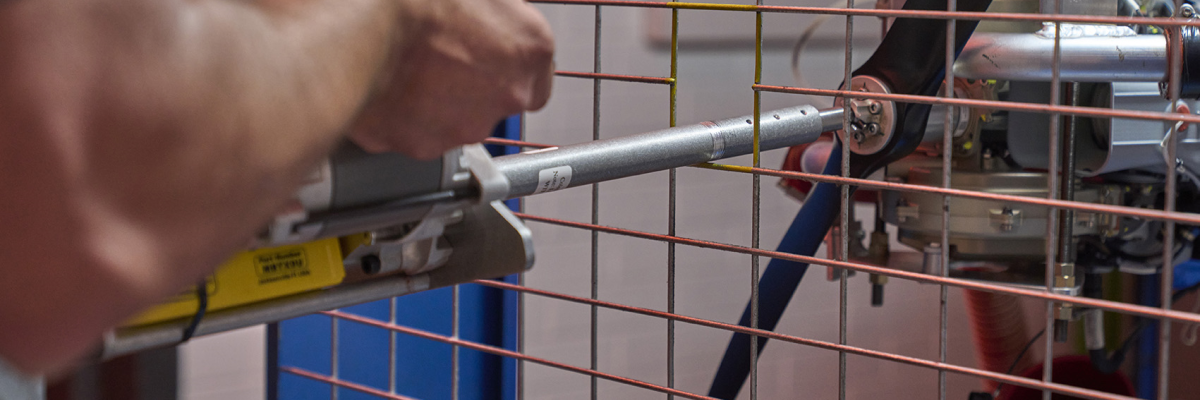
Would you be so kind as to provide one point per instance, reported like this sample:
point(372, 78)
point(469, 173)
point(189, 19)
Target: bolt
point(371, 264)
point(873, 129)
point(874, 107)
point(1187, 11)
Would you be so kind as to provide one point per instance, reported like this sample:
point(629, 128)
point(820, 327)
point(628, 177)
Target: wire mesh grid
point(841, 260)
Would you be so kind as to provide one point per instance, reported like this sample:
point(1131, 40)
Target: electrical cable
point(1109, 364)
point(1118, 355)
point(781, 277)
point(201, 308)
point(1017, 360)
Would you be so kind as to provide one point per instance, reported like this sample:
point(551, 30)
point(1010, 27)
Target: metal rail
point(511, 354)
point(887, 13)
point(940, 366)
point(991, 104)
point(1129, 309)
point(1030, 57)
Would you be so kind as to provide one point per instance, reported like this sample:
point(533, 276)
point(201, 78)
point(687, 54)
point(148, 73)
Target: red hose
point(998, 328)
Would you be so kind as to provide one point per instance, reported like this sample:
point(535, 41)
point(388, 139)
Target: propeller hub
point(872, 121)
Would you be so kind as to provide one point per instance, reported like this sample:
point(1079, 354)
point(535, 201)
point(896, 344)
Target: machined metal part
point(931, 263)
point(872, 122)
point(420, 246)
point(490, 242)
point(982, 229)
point(559, 168)
point(1110, 144)
point(966, 123)
point(1029, 57)
point(1093, 329)
point(360, 192)
point(355, 191)
point(1081, 7)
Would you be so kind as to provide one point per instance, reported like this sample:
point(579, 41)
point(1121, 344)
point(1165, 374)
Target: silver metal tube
point(597, 161)
point(1029, 57)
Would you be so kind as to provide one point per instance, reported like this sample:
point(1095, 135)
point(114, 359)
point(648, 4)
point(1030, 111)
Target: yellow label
point(283, 264)
point(258, 275)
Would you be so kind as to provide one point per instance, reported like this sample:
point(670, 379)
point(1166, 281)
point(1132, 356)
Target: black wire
point(201, 308)
point(1017, 360)
point(1137, 331)
point(1118, 355)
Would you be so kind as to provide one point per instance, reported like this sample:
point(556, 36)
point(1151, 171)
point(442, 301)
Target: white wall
point(226, 366)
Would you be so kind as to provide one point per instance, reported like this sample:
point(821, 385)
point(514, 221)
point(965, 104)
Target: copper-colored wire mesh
point(1163, 313)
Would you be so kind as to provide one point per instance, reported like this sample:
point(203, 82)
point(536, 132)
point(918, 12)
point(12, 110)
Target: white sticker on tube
point(552, 179)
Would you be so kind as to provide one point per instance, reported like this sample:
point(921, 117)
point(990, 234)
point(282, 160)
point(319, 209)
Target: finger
point(542, 88)
point(370, 143)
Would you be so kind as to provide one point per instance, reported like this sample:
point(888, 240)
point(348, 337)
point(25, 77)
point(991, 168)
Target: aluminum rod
point(1135, 212)
point(591, 162)
point(1030, 57)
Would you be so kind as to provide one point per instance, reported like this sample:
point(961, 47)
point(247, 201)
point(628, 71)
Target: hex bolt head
point(873, 129)
point(371, 264)
point(874, 107)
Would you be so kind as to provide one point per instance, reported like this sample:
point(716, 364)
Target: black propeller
point(911, 60)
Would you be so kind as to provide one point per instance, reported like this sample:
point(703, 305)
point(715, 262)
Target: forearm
point(142, 141)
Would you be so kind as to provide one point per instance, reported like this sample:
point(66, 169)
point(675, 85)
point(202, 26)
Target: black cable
point(1107, 364)
point(201, 308)
point(1117, 357)
point(1017, 360)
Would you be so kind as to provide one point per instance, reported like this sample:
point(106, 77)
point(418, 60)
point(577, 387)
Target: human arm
point(142, 141)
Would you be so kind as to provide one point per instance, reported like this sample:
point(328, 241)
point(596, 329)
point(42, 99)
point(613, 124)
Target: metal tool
point(431, 224)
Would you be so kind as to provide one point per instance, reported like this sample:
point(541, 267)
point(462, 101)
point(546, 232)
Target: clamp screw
point(874, 107)
point(371, 264)
point(856, 132)
point(873, 129)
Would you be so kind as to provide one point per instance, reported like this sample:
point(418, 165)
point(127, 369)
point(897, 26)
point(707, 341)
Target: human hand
point(459, 67)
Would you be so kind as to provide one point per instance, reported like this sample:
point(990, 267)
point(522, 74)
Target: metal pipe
point(1029, 57)
point(597, 161)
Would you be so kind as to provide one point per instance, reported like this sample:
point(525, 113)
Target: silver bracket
point(1006, 219)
